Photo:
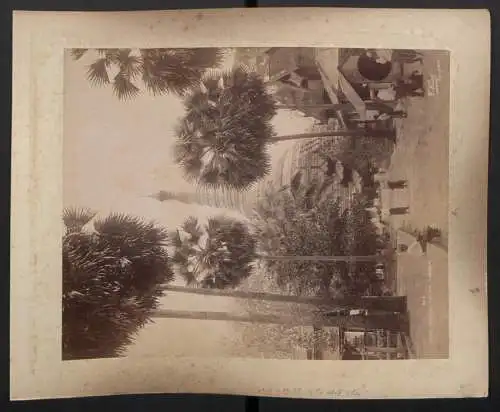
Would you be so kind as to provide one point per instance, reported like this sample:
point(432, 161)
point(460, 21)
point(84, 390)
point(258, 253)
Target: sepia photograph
point(284, 202)
point(236, 201)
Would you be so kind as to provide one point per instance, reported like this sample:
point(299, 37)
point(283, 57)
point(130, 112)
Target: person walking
point(382, 178)
point(412, 86)
point(407, 56)
point(397, 184)
point(399, 210)
point(422, 239)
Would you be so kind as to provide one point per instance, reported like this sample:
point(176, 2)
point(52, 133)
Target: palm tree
point(161, 71)
point(114, 271)
point(221, 253)
point(218, 255)
point(222, 140)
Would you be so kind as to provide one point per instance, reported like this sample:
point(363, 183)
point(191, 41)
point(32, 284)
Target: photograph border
point(37, 370)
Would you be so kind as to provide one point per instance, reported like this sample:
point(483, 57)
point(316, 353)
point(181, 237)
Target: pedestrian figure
point(408, 56)
point(309, 197)
point(429, 234)
point(397, 184)
point(347, 176)
point(399, 210)
point(413, 85)
point(331, 165)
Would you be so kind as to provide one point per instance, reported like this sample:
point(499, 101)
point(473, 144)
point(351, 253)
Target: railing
point(387, 345)
point(380, 345)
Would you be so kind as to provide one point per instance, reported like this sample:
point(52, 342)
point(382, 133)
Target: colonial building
point(295, 79)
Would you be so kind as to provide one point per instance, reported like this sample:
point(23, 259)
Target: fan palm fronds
point(111, 282)
point(75, 219)
point(222, 139)
point(217, 255)
point(158, 71)
point(77, 54)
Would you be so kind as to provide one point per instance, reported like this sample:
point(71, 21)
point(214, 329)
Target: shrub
point(309, 220)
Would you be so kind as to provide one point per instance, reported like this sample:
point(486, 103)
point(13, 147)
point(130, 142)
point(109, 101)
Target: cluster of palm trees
point(222, 139)
point(114, 268)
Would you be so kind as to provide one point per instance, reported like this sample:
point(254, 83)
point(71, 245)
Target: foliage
point(222, 139)
point(161, 71)
point(285, 342)
point(274, 340)
point(308, 220)
point(112, 272)
point(359, 238)
point(362, 154)
point(219, 255)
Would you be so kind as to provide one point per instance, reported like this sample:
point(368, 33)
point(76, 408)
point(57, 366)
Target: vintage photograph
point(278, 203)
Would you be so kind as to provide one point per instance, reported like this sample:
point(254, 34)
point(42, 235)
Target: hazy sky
point(116, 152)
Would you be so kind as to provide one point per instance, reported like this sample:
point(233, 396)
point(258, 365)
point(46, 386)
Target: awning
point(329, 84)
point(327, 61)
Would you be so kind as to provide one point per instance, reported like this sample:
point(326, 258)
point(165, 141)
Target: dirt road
point(421, 157)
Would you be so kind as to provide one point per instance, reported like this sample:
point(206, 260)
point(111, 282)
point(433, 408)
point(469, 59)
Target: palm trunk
point(325, 106)
point(348, 259)
point(389, 321)
point(378, 303)
point(381, 133)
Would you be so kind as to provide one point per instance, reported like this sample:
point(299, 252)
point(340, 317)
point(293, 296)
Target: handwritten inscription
point(333, 393)
point(434, 81)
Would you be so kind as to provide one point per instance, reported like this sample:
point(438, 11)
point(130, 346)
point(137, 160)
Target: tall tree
point(222, 140)
point(158, 71)
point(114, 270)
point(218, 255)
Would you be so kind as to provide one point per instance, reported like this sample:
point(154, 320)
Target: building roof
point(328, 61)
point(285, 60)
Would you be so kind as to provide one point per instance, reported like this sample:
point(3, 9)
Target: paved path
point(424, 280)
point(421, 157)
point(422, 151)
